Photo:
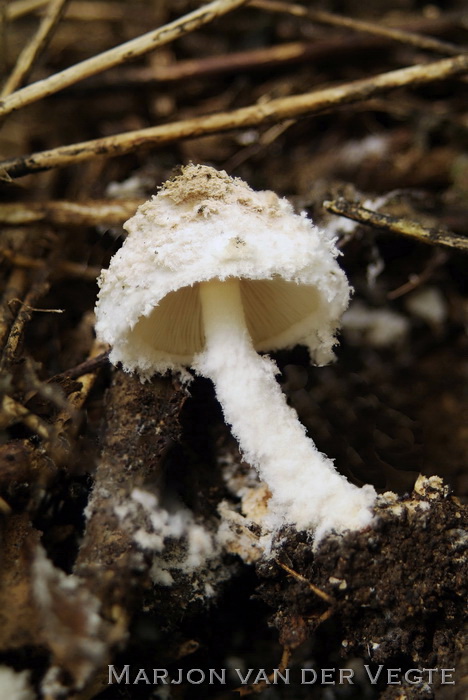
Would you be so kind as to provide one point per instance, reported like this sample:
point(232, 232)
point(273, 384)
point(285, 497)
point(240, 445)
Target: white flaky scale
point(211, 274)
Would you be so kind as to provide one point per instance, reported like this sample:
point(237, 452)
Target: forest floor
point(113, 493)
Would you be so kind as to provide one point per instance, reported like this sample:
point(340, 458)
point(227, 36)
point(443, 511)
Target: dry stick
point(329, 18)
point(68, 418)
point(63, 267)
point(23, 7)
point(257, 688)
point(3, 36)
point(119, 54)
point(416, 280)
point(15, 287)
point(12, 411)
point(38, 288)
point(103, 11)
point(63, 212)
point(251, 59)
point(268, 112)
point(84, 11)
point(405, 227)
point(90, 365)
point(32, 51)
point(318, 592)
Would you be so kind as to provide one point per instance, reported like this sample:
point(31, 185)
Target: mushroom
point(210, 275)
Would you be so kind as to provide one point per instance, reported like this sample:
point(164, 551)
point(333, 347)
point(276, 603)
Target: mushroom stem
point(306, 490)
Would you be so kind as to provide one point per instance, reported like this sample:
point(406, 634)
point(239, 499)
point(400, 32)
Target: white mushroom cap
point(206, 225)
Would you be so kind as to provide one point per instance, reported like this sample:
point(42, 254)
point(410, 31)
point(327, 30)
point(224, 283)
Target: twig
point(23, 7)
point(15, 286)
point(264, 141)
point(119, 54)
point(68, 418)
point(251, 59)
point(32, 51)
point(64, 267)
point(37, 309)
point(90, 213)
point(68, 421)
point(90, 365)
point(416, 280)
point(318, 592)
point(106, 11)
point(3, 36)
point(268, 112)
point(83, 11)
point(4, 507)
point(262, 685)
point(404, 227)
point(14, 412)
point(236, 61)
point(12, 344)
point(329, 18)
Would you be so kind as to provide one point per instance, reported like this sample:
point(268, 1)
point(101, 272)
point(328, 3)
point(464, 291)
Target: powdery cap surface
point(206, 225)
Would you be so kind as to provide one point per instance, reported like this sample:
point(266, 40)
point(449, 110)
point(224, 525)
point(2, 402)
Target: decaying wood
point(19, 621)
point(132, 457)
point(109, 563)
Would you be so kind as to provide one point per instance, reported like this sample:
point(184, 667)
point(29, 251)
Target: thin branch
point(93, 363)
point(67, 268)
point(23, 7)
point(118, 55)
point(13, 342)
point(36, 46)
point(438, 259)
point(259, 687)
point(318, 591)
point(404, 227)
point(267, 57)
point(269, 112)
point(83, 11)
point(62, 212)
point(105, 11)
point(328, 18)
point(69, 419)
point(15, 287)
point(13, 412)
point(3, 36)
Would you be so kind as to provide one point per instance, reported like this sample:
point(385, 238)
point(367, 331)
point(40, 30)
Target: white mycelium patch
point(15, 686)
